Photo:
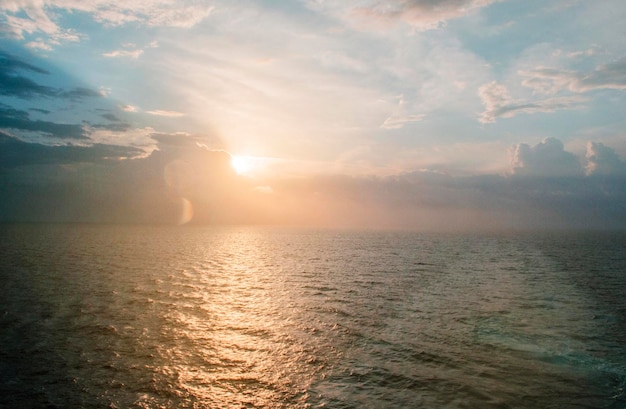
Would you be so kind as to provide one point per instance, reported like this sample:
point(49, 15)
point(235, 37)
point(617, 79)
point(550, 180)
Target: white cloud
point(129, 108)
point(546, 159)
point(130, 50)
point(552, 80)
point(136, 137)
point(499, 104)
point(104, 91)
point(170, 114)
point(39, 45)
point(397, 121)
point(583, 53)
point(124, 53)
point(602, 160)
point(38, 16)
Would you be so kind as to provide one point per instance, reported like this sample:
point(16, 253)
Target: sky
point(410, 114)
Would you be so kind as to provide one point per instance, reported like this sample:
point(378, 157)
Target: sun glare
point(241, 164)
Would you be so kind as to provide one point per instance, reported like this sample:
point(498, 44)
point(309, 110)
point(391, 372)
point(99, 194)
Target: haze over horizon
point(413, 114)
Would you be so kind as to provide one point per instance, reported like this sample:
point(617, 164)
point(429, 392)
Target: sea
point(127, 316)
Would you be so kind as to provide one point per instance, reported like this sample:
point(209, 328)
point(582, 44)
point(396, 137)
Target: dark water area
point(244, 317)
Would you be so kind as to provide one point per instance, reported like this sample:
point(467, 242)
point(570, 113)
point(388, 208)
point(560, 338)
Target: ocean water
point(251, 317)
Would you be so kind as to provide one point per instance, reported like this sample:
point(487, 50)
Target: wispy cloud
point(130, 50)
point(499, 104)
point(399, 118)
point(13, 119)
point(13, 83)
point(28, 18)
point(552, 80)
point(397, 121)
point(420, 14)
point(124, 53)
point(129, 108)
point(170, 114)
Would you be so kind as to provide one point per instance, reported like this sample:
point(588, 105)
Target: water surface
point(217, 317)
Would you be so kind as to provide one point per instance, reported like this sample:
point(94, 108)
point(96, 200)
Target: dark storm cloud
point(19, 120)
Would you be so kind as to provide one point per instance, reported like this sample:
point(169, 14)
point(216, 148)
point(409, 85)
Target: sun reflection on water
point(232, 332)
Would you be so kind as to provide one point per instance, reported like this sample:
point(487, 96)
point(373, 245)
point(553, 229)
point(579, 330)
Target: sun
point(241, 164)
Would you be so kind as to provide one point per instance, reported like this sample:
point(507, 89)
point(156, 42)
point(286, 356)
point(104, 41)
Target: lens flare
point(186, 211)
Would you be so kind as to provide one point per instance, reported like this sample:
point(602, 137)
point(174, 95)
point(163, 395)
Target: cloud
point(130, 50)
point(421, 14)
point(114, 123)
point(398, 121)
point(16, 153)
point(552, 80)
point(546, 159)
point(128, 108)
point(123, 53)
point(170, 114)
point(602, 160)
point(14, 84)
point(39, 45)
point(41, 17)
point(427, 200)
point(8, 63)
point(41, 111)
point(499, 104)
point(121, 133)
point(79, 93)
point(74, 183)
point(55, 103)
point(33, 17)
point(107, 183)
point(19, 120)
point(22, 87)
point(399, 118)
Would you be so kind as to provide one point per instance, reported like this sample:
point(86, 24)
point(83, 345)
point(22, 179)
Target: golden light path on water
point(235, 336)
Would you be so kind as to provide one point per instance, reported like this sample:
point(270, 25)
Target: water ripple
point(159, 317)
